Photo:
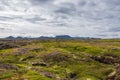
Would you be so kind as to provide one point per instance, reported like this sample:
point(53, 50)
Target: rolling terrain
point(59, 59)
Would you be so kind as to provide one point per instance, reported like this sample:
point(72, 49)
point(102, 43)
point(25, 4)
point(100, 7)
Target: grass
point(6, 75)
point(64, 59)
point(33, 75)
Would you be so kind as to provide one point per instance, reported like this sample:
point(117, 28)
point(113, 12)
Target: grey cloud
point(113, 2)
point(35, 19)
point(5, 2)
point(102, 35)
point(3, 18)
point(2, 28)
point(82, 3)
point(107, 35)
point(58, 23)
point(114, 29)
point(39, 2)
point(117, 35)
point(5, 29)
point(61, 24)
point(3, 5)
point(66, 8)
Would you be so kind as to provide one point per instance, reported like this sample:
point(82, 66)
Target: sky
point(81, 18)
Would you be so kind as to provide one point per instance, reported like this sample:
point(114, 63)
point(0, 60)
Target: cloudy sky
point(84, 18)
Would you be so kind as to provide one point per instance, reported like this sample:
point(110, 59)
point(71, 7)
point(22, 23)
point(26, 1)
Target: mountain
point(10, 37)
point(63, 37)
point(45, 37)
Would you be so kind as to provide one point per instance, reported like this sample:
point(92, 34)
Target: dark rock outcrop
point(39, 64)
point(26, 58)
point(55, 57)
point(107, 59)
point(8, 66)
point(7, 45)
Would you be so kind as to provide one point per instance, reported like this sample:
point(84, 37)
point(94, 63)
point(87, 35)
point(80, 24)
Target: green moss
point(33, 75)
point(6, 75)
point(94, 51)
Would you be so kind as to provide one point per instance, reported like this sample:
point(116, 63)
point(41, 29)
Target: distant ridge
point(46, 37)
point(63, 36)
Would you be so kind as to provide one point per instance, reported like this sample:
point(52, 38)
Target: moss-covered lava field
point(58, 59)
